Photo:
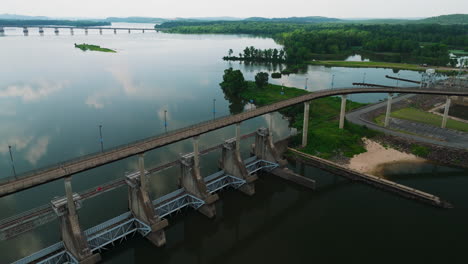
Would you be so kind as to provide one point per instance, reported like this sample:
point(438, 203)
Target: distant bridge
point(81, 164)
point(40, 29)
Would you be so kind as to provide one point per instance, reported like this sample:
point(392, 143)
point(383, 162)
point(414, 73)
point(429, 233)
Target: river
point(53, 97)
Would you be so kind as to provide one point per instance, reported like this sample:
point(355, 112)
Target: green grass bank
point(325, 139)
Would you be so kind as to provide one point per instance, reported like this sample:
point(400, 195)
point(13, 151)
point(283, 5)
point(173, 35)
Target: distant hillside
point(137, 19)
point(310, 19)
point(42, 22)
point(20, 17)
point(446, 19)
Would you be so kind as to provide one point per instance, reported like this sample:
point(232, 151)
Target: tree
point(230, 52)
point(233, 82)
point(261, 79)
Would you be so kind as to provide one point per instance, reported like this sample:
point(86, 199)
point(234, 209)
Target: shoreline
point(376, 156)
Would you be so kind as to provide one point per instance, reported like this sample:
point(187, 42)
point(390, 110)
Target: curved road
point(433, 135)
point(88, 162)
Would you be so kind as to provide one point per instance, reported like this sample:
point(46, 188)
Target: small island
point(86, 47)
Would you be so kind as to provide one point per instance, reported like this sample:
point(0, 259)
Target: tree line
point(415, 43)
point(258, 55)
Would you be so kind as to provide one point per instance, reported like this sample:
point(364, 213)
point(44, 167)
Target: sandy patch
point(376, 155)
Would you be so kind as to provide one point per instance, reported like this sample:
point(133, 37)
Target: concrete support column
point(238, 138)
point(41, 30)
point(25, 31)
point(56, 31)
point(100, 31)
point(71, 31)
point(141, 206)
point(305, 127)
point(194, 184)
point(115, 31)
point(69, 195)
point(343, 110)
point(86, 31)
point(232, 164)
point(143, 31)
point(196, 153)
point(129, 31)
point(264, 148)
point(446, 112)
point(73, 238)
point(389, 109)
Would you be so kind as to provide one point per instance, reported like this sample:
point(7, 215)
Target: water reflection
point(32, 91)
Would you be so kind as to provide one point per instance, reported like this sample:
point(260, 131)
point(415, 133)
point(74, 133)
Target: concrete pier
point(194, 184)
point(72, 236)
point(264, 149)
point(305, 127)
point(343, 110)
point(232, 164)
point(141, 206)
point(389, 109)
point(446, 112)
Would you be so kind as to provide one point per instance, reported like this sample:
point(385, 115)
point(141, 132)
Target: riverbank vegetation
point(326, 140)
point(86, 47)
point(388, 65)
point(409, 43)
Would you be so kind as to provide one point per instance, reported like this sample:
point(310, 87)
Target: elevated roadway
point(42, 176)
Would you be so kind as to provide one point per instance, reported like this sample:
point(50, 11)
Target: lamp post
point(364, 78)
point(214, 109)
point(306, 83)
point(12, 163)
point(398, 79)
point(100, 138)
point(333, 81)
point(165, 120)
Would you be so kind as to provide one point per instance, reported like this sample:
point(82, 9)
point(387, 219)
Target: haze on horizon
point(239, 8)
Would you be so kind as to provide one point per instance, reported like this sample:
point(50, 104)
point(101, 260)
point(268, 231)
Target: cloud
point(95, 100)
point(37, 150)
point(32, 92)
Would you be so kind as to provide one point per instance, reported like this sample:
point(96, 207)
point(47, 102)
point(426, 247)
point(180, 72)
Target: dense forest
point(42, 22)
point(415, 43)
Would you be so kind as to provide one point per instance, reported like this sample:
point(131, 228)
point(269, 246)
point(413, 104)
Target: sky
point(235, 8)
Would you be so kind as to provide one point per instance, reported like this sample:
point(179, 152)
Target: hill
point(446, 19)
point(309, 19)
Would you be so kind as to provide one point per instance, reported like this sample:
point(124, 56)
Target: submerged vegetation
point(326, 140)
point(86, 47)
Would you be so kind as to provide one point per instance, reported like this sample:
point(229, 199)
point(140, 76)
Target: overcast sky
point(235, 8)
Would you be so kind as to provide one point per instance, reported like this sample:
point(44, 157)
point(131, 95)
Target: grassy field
point(459, 52)
point(85, 47)
point(372, 64)
point(325, 138)
point(420, 116)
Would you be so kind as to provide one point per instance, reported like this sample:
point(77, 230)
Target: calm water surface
point(53, 98)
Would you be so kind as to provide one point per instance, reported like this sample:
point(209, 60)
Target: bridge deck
point(115, 229)
point(88, 162)
point(18, 224)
